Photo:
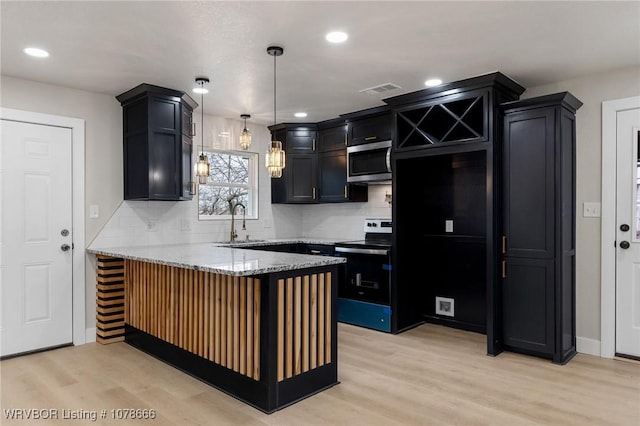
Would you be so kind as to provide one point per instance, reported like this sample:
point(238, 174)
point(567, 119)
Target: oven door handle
point(382, 252)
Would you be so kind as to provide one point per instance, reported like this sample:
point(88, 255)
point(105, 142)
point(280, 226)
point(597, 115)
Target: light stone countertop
point(222, 259)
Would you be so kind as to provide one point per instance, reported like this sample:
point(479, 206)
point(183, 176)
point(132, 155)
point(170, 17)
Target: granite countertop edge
point(223, 257)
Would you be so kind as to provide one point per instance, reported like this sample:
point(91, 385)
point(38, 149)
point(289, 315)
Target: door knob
point(624, 227)
point(65, 247)
point(624, 244)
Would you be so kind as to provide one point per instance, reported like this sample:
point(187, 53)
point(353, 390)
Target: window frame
point(252, 212)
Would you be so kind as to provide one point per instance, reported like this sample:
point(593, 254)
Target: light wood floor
point(431, 375)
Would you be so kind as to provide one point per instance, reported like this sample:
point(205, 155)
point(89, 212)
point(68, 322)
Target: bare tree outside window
point(233, 179)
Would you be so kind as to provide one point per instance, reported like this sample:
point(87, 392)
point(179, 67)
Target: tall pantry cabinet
point(538, 223)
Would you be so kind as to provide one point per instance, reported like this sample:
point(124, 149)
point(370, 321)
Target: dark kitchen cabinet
point(332, 166)
point(298, 181)
point(157, 143)
point(453, 118)
point(370, 125)
point(446, 199)
point(538, 221)
point(315, 169)
point(301, 178)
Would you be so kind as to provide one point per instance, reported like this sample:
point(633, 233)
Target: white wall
point(592, 91)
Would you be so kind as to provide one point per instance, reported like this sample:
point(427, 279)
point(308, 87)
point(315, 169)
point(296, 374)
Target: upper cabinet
point(332, 165)
point(316, 170)
point(461, 112)
point(157, 143)
point(370, 125)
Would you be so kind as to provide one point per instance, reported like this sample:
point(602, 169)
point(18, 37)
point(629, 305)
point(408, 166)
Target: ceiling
point(110, 47)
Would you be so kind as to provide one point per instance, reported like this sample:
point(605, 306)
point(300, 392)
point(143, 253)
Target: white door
point(628, 233)
point(36, 267)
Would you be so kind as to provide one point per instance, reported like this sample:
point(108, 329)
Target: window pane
point(229, 168)
point(233, 180)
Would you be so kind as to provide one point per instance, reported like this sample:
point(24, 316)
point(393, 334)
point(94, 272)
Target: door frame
point(608, 223)
point(77, 127)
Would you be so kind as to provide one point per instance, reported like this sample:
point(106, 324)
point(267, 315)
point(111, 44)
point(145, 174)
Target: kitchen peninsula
point(259, 325)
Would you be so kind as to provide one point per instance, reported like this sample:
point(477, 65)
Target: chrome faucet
point(232, 209)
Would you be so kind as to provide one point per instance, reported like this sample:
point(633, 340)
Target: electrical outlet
point(591, 210)
point(448, 225)
point(152, 226)
point(185, 224)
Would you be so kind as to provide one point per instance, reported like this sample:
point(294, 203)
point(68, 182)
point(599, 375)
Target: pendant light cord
point(274, 89)
point(202, 120)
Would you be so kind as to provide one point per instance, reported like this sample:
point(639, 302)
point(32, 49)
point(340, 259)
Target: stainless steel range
point(364, 294)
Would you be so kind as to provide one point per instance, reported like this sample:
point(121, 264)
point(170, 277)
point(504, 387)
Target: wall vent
point(445, 306)
point(380, 88)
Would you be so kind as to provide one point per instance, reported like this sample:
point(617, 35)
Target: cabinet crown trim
point(496, 79)
point(564, 99)
point(144, 90)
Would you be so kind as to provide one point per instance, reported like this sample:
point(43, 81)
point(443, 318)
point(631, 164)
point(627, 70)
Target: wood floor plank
point(430, 375)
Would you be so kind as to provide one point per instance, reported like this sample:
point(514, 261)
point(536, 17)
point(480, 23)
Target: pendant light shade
point(245, 136)
point(203, 169)
point(275, 160)
point(275, 157)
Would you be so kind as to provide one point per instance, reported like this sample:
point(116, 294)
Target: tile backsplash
point(137, 223)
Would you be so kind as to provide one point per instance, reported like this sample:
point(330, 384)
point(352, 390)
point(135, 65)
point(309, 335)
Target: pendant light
point(245, 136)
point(275, 158)
point(203, 169)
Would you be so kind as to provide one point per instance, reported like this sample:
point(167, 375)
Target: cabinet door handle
point(504, 244)
point(504, 269)
point(193, 128)
point(345, 139)
point(370, 138)
point(314, 192)
point(313, 145)
point(346, 195)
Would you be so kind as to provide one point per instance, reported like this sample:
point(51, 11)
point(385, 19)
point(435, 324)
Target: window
point(233, 179)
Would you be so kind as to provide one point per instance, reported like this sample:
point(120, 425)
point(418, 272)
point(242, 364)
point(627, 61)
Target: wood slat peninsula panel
point(110, 312)
point(304, 316)
point(214, 316)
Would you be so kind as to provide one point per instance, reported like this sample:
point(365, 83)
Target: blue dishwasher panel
point(365, 314)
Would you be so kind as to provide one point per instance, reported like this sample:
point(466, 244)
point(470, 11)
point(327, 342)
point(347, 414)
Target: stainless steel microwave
point(369, 163)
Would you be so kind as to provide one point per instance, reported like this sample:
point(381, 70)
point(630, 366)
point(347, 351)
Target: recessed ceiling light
point(337, 37)
point(432, 82)
point(199, 90)
point(300, 114)
point(36, 52)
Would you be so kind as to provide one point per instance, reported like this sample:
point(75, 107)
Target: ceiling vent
point(380, 88)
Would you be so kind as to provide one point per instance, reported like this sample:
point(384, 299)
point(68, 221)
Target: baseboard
point(90, 335)
point(588, 346)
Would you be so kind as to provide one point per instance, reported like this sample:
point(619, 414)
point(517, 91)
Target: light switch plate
point(591, 210)
point(94, 211)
